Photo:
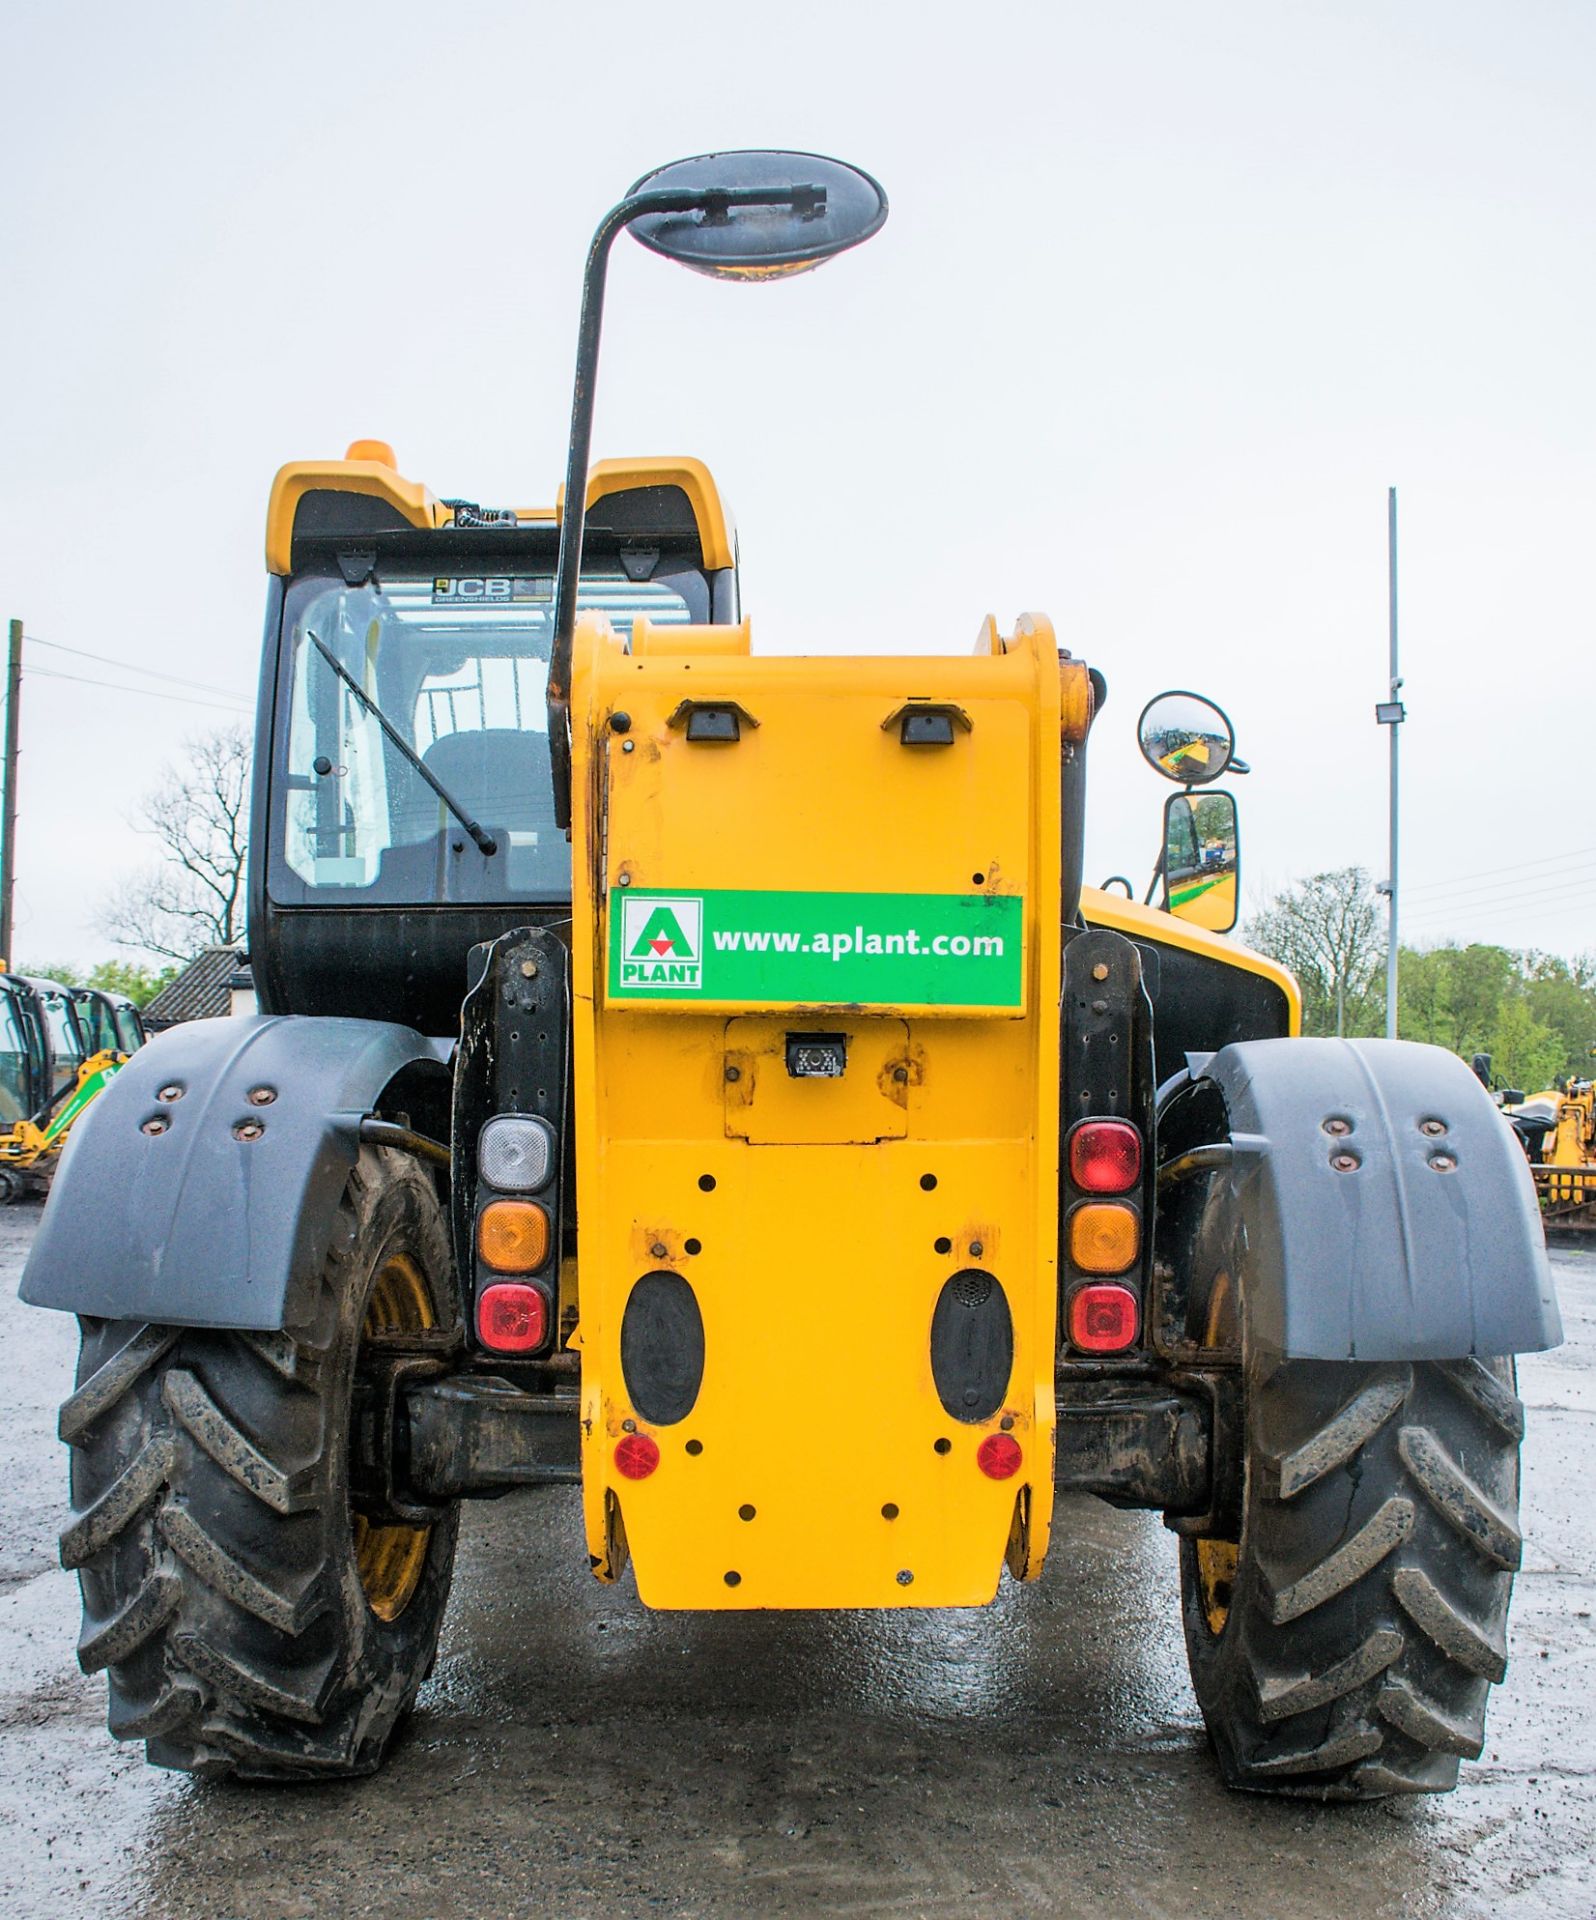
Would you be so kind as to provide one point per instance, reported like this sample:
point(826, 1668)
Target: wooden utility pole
point(8, 795)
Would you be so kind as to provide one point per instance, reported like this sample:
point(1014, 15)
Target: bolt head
point(173, 1092)
point(529, 969)
point(1100, 971)
point(1444, 1162)
point(623, 879)
point(1434, 1128)
point(1344, 1162)
point(734, 1073)
point(155, 1126)
point(261, 1096)
point(248, 1130)
point(658, 1250)
point(1337, 1127)
point(976, 1249)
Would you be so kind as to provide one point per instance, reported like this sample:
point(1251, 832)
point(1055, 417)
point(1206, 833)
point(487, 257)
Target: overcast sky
point(1171, 292)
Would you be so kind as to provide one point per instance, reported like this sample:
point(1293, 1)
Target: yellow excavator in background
point(1558, 1129)
point(60, 1046)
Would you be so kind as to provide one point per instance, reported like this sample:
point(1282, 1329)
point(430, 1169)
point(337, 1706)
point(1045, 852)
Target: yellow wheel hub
point(1216, 1559)
point(389, 1559)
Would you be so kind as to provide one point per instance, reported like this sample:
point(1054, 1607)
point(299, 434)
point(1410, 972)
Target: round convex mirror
point(834, 208)
point(1186, 738)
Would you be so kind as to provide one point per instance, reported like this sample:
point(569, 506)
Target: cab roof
point(665, 498)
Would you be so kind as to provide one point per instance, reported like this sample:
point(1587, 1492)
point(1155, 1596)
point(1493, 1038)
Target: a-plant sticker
point(818, 949)
point(661, 943)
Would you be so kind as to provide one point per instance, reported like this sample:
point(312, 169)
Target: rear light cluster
point(517, 1157)
point(1103, 1236)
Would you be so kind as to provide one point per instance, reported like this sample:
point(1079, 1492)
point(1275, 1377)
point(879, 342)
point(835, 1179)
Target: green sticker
point(854, 949)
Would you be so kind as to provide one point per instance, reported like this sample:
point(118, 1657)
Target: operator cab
point(67, 1047)
point(405, 718)
point(24, 1053)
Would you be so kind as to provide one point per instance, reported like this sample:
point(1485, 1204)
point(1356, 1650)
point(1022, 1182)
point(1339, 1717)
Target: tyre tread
point(1459, 1502)
point(134, 1489)
point(228, 1446)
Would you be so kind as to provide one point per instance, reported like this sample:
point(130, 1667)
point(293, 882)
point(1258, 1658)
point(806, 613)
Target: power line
point(1545, 883)
point(129, 666)
point(147, 693)
point(1487, 894)
point(1517, 866)
point(1499, 911)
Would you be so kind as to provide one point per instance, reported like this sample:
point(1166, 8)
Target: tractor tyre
point(1345, 1624)
point(248, 1621)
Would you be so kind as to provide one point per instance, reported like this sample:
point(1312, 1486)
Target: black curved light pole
point(714, 203)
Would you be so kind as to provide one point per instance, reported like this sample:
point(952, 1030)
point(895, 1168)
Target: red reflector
point(1105, 1156)
point(513, 1318)
point(998, 1456)
point(636, 1456)
point(1103, 1319)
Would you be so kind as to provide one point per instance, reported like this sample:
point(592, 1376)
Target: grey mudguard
point(190, 1224)
point(1402, 1257)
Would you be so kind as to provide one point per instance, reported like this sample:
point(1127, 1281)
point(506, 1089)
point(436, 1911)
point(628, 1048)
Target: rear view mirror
point(1186, 738)
point(828, 206)
point(1202, 860)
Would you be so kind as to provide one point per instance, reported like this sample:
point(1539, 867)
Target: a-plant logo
point(662, 943)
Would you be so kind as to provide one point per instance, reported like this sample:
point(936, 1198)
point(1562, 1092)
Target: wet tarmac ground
point(574, 1755)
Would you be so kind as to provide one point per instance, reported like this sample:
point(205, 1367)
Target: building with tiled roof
point(210, 987)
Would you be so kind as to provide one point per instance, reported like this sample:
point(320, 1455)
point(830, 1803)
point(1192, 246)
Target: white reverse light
point(515, 1153)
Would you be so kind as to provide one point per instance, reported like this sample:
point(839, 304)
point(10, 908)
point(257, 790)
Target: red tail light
point(513, 1318)
point(1105, 1156)
point(636, 1456)
point(1103, 1319)
point(998, 1456)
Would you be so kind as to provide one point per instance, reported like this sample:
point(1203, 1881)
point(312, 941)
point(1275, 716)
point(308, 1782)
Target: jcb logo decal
point(458, 589)
point(662, 943)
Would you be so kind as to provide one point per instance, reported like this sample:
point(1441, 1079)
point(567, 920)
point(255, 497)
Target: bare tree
point(199, 814)
point(1327, 930)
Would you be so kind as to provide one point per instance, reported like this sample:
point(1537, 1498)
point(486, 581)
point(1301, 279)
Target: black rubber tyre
point(247, 1622)
point(1344, 1638)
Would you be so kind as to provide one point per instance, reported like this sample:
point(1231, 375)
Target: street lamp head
point(757, 215)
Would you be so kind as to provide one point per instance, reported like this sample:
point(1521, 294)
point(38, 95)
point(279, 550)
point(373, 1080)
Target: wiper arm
point(485, 840)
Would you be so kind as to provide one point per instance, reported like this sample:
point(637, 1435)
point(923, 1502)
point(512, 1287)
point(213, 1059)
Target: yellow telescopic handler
point(704, 1078)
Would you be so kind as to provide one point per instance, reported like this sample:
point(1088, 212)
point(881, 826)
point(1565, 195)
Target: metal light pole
point(1390, 712)
point(8, 794)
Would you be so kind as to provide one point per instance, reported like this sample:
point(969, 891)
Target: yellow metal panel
point(767, 1106)
point(817, 1262)
point(373, 478)
point(377, 479)
point(1101, 909)
point(715, 533)
point(650, 642)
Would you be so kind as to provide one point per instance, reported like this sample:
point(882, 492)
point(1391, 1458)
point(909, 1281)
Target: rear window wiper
point(485, 840)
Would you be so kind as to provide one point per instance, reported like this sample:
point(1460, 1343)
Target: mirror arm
point(1152, 885)
point(568, 567)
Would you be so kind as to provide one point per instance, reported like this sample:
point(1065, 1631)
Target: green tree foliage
point(1562, 996)
point(1524, 1054)
point(140, 984)
point(1534, 1013)
point(1327, 931)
